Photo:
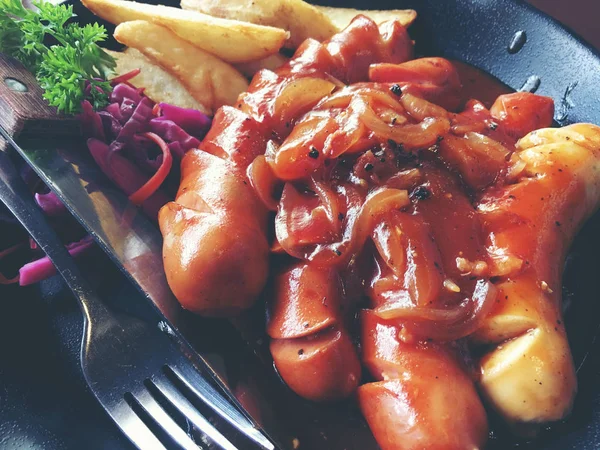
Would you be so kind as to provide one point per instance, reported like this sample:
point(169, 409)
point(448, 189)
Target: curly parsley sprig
point(65, 57)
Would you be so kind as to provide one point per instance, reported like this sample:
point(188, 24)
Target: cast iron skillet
point(480, 32)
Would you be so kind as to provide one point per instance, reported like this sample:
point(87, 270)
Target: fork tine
point(163, 420)
point(193, 381)
point(134, 428)
point(177, 399)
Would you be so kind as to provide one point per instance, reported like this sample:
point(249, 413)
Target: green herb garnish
point(65, 57)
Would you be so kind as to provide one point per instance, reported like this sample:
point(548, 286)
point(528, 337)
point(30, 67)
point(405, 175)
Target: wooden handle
point(23, 111)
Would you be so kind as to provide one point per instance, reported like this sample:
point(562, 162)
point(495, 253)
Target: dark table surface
point(44, 403)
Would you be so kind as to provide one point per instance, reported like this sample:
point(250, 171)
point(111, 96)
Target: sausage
point(311, 348)
point(215, 250)
point(523, 112)
point(528, 377)
point(422, 398)
point(215, 232)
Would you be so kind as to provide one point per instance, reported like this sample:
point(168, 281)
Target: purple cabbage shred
point(193, 121)
point(50, 204)
point(116, 138)
point(42, 268)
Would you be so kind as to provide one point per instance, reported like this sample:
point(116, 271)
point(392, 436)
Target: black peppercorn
point(421, 193)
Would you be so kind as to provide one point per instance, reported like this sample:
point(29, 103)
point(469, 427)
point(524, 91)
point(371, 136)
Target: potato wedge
point(209, 80)
point(159, 85)
point(341, 17)
point(301, 19)
point(230, 40)
point(270, 62)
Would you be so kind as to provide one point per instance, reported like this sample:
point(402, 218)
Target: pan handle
point(23, 111)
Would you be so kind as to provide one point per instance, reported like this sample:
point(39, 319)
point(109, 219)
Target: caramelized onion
point(361, 218)
point(293, 159)
point(419, 278)
point(443, 324)
point(263, 181)
point(303, 222)
point(387, 240)
point(343, 98)
point(462, 125)
point(420, 109)
point(337, 100)
point(407, 179)
point(422, 135)
point(328, 201)
point(299, 95)
point(346, 137)
point(354, 120)
point(354, 135)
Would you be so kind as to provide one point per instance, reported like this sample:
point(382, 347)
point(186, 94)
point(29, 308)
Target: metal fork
point(139, 376)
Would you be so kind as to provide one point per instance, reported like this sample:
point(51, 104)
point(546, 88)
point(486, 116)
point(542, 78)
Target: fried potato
point(209, 80)
point(230, 40)
point(270, 62)
point(159, 85)
point(341, 17)
point(301, 19)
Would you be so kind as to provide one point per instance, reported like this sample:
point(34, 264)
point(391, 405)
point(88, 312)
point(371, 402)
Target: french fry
point(231, 40)
point(209, 80)
point(270, 62)
point(301, 19)
point(341, 17)
point(159, 85)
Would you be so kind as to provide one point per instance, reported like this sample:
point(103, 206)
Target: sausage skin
point(311, 348)
point(528, 376)
point(422, 398)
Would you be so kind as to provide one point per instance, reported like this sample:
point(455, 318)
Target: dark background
point(43, 400)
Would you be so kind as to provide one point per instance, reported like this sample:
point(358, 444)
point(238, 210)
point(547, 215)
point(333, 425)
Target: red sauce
point(480, 85)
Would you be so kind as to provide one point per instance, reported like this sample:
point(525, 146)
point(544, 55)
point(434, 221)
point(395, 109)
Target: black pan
point(558, 64)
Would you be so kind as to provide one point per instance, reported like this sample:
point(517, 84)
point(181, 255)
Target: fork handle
point(15, 194)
